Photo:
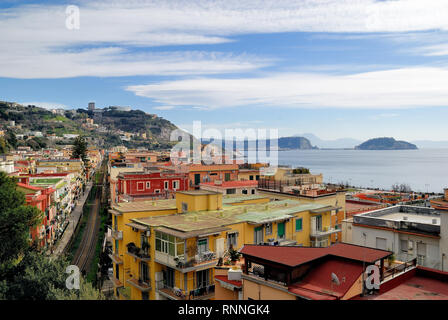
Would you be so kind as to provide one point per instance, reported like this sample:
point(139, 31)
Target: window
point(258, 235)
point(381, 243)
point(244, 191)
point(251, 177)
point(148, 185)
point(202, 278)
point(144, 272)
point(231, 191)
point(257, 177)
point(157, 191)
point(253, 191)
point(184, 207)
point(140, 186)
point(299, 224)
point(232, 240)
point(166, 185)
point(175, 184)
point(269, 228)
point(169, 244)
point(404, 245)
point(227, 177)
point(421, 249)
point(202, 245)
point(116, 246)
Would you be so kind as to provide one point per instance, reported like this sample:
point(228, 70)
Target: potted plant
point(233, 255)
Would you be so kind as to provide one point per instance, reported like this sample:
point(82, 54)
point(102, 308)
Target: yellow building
point(167, 249)
point(60, 165)
point(332, 198)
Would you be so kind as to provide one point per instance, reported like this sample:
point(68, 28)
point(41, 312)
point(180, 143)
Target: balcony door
point(144, 272)
point(169, 278)
point(258, 235)
point(281, 230)
point(202, 278)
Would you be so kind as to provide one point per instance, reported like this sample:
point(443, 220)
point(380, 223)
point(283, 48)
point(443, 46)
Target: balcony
point(117, 283)
point(117, 235)
point(138, 253)
point(115, 258)
point(143, 286)
point(202, 260)
point(203, 293)
point(326, 231)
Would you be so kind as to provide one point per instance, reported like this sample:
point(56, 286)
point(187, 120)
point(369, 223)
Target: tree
point(37, 277)
point(11, 139)
point(3, 146)
point(16, 219)
point(80, 149)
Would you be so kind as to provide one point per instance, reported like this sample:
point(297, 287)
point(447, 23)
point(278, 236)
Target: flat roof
point(399, 213)
point(424, 284)
point(150, 205)
point(252, 213)
point(198, 192)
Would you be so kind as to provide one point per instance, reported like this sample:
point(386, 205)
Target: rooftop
point(232, 184)
point(295, 256)
point(139, 206)
point(419, 220)
point(252, 213)
point(418, 284)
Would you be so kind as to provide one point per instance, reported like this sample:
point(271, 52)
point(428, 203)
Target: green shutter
point(299, 224)
point(281, 229)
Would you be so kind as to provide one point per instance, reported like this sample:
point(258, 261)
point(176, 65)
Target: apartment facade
point(184, 242)
point(156, 184)
point(408, 231)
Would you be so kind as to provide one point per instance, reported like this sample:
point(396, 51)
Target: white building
point(7, 166)
point(409, 231)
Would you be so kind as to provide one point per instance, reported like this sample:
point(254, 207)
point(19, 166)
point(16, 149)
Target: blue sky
point(337, 69)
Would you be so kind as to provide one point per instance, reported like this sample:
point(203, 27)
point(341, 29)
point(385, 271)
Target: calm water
point(424, 169)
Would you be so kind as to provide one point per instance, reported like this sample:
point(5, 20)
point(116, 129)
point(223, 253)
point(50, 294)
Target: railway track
point(86, 250)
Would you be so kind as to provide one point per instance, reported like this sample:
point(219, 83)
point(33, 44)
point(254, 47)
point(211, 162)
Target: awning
point(137, 226)
point(192, 234)
point(325, 209)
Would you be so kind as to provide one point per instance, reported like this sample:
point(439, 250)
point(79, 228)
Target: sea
point(424, 170)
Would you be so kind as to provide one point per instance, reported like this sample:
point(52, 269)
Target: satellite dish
point(335, 279)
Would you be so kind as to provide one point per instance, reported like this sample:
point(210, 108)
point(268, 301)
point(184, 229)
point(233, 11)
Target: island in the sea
point(386, 144)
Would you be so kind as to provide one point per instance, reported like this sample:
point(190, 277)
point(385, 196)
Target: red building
point(134, 186)
point(41, 198)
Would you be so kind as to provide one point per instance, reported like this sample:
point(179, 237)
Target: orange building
point(199, 173)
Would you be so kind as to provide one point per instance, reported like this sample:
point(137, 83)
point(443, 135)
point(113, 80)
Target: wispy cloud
point(398, 88)
point(37, 44)
point(384, 116)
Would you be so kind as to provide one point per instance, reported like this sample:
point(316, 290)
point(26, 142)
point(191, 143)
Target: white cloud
point(164, 108)
point(398, 88)
point(36, 43)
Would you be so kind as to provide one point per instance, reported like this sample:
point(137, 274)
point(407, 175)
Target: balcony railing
point(203, 293)
point(185, 264)
point(140, 284)
point(138, 253)
point(325, 232)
